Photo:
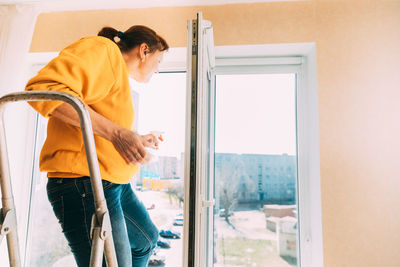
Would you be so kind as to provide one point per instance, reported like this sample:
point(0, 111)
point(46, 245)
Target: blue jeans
point(135, 235)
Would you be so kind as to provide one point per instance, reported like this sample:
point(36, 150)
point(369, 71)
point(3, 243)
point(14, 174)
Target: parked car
point(162, 243)
point(170, 234)
point(157, 260)
point(178, 220)
point(138, 188)
point(222, 213)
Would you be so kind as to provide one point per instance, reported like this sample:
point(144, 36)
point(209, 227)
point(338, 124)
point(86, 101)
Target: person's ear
point(143, 50)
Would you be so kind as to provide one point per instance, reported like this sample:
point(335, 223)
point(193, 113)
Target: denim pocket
point(106, 184)
point(88, 186)
point(55, 188)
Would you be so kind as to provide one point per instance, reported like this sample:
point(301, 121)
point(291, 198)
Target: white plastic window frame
point(300, 59)
point(251, 57)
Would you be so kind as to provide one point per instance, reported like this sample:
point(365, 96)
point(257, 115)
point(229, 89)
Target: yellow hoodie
point(93, 70)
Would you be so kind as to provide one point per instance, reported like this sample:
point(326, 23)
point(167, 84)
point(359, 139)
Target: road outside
point(246, 242)
point(163, 214)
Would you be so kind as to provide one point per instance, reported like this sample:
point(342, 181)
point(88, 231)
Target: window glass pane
point(159, 105)
point(48, 246)
point(255, 216)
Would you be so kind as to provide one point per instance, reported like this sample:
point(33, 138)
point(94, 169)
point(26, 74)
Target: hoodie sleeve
point(82, 69)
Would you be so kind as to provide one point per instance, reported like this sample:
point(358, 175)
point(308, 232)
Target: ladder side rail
point(102, 218)
point(7, 212)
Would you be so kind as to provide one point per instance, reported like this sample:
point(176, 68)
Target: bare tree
point(230, 175)
point(176, 191)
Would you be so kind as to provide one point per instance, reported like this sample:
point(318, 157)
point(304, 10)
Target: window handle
point(208, 203)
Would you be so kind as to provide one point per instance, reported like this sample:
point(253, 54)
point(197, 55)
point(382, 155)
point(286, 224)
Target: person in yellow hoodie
point(96, 69)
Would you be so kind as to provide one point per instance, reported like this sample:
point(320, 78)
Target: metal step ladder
point(102, 240)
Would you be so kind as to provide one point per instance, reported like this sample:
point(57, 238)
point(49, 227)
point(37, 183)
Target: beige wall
point(358, 57)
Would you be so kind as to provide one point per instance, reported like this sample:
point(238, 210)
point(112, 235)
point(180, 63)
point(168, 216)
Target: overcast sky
point(254, 113)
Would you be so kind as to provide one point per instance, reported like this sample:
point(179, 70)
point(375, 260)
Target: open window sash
point(199, 162)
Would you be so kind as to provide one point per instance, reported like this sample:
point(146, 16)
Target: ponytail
point(135, 36)
point(109, 33)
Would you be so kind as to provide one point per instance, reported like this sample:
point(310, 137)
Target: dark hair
point(135, 36)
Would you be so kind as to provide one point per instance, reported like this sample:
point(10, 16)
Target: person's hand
point(130, 146)
point(151, 140)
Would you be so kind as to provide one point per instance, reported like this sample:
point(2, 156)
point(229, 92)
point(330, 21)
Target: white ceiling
point(63, 5)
